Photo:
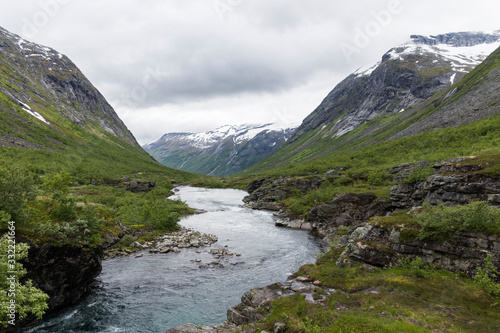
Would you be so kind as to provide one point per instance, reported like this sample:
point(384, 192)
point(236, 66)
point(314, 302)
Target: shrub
point(28, 299)
point(441, 221)
point(63, 208)
point(78, 233)
point(16, 188)
point(156, 213)
point(4, 220)
point(58, 183)
point(418, 174)
point(417, 267)
point(487, 278)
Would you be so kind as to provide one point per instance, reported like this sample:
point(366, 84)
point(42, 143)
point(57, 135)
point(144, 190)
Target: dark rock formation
point(345, 210)
point(64, 273)
point(452, 183)
point(463, 252)
point(266, 195)
point(137, 186)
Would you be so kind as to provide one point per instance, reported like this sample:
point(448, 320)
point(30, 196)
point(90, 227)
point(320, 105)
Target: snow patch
point(239, 133)
point(461, 58)
point(366, 70)
point(452, 79)
point(35, 114)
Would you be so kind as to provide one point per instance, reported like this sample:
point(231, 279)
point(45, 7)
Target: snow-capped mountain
point(239, 134)
point(405, 76)
point(223, 151)
point(462, 51)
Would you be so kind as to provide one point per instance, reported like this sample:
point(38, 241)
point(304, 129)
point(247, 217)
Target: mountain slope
point(378, 103)
point(224, 151)
point(53, 118)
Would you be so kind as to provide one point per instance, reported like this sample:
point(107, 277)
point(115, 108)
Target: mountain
point(53, 118)
point(377, 102)
point(224, 151)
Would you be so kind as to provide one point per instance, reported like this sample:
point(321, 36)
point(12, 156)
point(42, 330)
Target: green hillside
point(380, 141)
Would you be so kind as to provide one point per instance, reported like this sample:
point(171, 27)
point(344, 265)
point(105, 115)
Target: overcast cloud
point(194, 65)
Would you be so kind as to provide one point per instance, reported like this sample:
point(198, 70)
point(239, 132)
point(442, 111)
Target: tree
point(16, 188)
point(17, 300)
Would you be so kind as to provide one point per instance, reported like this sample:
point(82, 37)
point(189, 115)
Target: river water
point(157, 292)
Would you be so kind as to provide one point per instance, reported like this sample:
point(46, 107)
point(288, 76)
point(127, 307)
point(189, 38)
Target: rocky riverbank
point(350, 219)
point(255, 304)
point(346, 219)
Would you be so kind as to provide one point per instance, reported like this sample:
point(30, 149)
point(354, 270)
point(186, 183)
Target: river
point(157, 292)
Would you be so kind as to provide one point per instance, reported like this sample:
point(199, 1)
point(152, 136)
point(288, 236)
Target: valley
point(397, 171)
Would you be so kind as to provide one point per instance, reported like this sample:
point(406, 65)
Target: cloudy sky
point(195, 65)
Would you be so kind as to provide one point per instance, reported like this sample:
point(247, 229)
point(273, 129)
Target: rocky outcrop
point(455, 181)
point(401, 172)
point(345, 210)
point(137, 186)
point(462, 252)
point(266, 194)
point(64, 273)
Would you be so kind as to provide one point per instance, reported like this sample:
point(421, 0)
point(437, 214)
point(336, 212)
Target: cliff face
point(64, 273)
point(406, 76)
point(42, 86)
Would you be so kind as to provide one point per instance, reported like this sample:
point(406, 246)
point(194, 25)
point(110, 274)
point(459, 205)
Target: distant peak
point(458, 39)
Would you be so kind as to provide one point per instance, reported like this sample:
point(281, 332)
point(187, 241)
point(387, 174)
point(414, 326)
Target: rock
point(452, 183)
point(191, 328)
point(137, 245)
point(254, 185)
point(246, 312)
point(401, 172)
point(137, 186)
point(462, 253)
point(347, 209)
point(266, 197)
point(279, 327)
point(64, 273)
point(331, 173)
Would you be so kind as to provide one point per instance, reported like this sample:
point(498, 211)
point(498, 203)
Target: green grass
point(408, 298)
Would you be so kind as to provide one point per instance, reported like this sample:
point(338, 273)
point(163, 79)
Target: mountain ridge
point(223, 151)
point(47, 85)
point(378, 97)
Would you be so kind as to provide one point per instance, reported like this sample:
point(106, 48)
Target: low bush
point(440, 222)
point(28, 299)
point(488, 279)
point(80, 232)
point(418, 174)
